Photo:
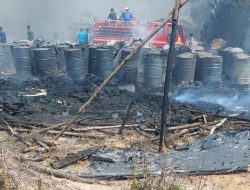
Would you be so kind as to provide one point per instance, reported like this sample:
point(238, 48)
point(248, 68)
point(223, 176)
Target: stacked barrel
point(23, 59)
point(209, 69)
point(104, 60)
point(153, 64)
point(75, 66)
point(46, 62)
point(185, 68)
point(129, 73)
point(61, 59)
point(6, 61)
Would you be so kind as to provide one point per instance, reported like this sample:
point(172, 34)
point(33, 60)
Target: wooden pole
point(58, 173)
point(124, 121)
point(106, 81)
point(170, 64)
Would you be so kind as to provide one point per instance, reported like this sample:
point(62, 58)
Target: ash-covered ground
point(52, 100)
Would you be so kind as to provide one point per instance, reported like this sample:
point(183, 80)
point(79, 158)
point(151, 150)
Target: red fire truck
point(105, 31)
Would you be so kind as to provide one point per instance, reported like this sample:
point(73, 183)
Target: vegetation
point(166, 181)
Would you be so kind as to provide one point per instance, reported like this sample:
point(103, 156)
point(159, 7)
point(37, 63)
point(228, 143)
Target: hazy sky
point(46, 16)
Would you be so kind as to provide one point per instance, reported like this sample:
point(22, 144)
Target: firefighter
point(2, 35)
point(126, 15)
point(82, 37)
point(191, 39)
point(112, 15)
point(30, 34)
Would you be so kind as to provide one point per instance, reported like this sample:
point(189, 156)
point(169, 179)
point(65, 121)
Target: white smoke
point(64, 16)
point(230, 100)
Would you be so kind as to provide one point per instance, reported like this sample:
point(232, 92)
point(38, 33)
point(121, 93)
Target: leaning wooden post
point(119, 67)
point(170, 64)
point(125, 119)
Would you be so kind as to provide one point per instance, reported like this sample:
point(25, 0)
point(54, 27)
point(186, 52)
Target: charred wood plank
point(102, 127)
point(229, 117)
point(193, 125)
point(73, 158)
point(218, 125)
point(101, 159)
point(125, 119)
point(17, 135)
point(57, 173)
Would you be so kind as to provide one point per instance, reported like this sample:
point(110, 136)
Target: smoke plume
point(65, 16)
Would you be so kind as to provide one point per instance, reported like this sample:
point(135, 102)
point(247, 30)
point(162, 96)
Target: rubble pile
point(229, 21)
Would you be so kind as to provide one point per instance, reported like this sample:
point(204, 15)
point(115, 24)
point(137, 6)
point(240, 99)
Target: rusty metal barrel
point(46, 62)
point(164, 57)
point(153, 69)
point(209, 69)
point(185, 68)
point(61, 59)
point(92, 60)
point(23, 58)
point(6, 61)
point(104, 62)
point(75, 65)
point(228, 55)
point(85, 54)
point(226, 60)
point(240, 70)
point(129, 73)
point(3, 60)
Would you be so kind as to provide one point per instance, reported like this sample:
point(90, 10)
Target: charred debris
point(42, 88)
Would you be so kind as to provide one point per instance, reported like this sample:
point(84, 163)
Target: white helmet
point(126, 9)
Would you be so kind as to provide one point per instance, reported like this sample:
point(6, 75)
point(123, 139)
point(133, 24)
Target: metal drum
point(3, 60)
point(23, 60)
point(104, 62)
point(45, 61)
point(129, 73)
point(153, 70)
point(75, 66)
point(240, 70)
point(164, 57)
point(8, 58)
point(209, 69)
point(85, 54)
point(61, 59)
point(185, 68)
point(226, 61)
point(92, 60)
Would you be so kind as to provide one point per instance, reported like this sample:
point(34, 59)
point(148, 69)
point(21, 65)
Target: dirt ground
point(15, 173)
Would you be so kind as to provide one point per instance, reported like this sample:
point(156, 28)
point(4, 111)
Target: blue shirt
point(127, 16)
point(82, 38)
point(2, 37)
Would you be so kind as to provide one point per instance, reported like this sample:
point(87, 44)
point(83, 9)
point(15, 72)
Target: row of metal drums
point(236, 67)
point(100, 61)
point(103, 60)
point(188, 67)
point(232, 68)
point(38, 61)
point(203, 67)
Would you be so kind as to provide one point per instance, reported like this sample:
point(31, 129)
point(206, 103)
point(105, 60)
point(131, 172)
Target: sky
point(47, 16)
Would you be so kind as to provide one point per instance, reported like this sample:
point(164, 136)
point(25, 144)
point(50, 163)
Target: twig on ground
point(218, 125)
point(16, 134)
point(58, 174)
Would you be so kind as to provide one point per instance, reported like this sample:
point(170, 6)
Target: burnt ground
point(64, 97)
point(26, 113)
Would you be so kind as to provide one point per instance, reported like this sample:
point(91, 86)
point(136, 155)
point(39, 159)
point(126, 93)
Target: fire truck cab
point(163, 37)
point(105, 31)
